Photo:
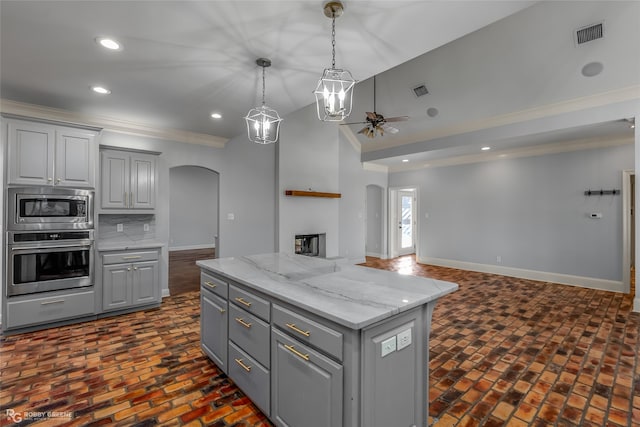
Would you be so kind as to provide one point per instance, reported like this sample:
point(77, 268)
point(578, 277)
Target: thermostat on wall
point(595, 215)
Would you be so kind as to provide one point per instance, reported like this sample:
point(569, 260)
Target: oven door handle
point(49, 248)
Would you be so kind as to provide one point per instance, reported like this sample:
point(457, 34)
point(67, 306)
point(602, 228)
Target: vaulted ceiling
point(481, 61)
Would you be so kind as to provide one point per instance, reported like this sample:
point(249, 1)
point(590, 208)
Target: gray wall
point(374, 219)
point(529, 211)
point(193, 207)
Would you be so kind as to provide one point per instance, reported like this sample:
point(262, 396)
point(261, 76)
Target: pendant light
point(263, 123)
point(335, 89)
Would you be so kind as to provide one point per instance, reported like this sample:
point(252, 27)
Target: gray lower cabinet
point(306, 386)
point(130, 279)
point(50, 307)
point(214, 319)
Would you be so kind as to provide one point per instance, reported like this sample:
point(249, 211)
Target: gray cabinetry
point(214, 319)
point(306, 386)
point(127, 180)
point(38, 309)
point(130, 279)
point(42, 154)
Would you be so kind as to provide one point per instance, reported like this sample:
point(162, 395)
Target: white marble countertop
point(350, 295)
point(125, 246)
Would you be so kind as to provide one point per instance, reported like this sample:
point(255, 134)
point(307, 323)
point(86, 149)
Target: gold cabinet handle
point(242, 365)
point(132, 257)
point(296, 352)
point(298, 330)
point(131, 199)
point(242, 322)
point(243, 302)
point(49, 179)
point(222, 310)
point(59, 301)
point(125, 199)
point(211, 285)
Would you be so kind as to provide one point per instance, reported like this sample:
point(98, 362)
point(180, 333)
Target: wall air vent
point(419, 91)
point(586, 34)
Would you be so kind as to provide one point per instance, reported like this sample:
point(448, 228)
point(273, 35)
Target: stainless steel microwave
point(45, 208)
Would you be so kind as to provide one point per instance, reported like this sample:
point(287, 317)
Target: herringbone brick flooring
point(504, 352)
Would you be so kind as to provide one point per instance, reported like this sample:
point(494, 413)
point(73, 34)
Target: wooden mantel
point(301, 193)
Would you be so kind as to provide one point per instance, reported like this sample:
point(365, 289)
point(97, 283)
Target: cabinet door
point(75, 158)
point(214, 319)
point(145, 283)
point(143, 181)
point(31, 153)
point(114, 179)
point(306, 387)
point(116, 289)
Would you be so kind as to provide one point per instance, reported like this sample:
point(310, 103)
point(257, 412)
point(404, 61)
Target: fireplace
point(311, 244)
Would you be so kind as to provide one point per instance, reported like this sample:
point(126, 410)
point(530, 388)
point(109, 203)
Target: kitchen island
point(316, 343)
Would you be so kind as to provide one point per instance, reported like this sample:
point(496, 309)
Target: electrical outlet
point(119, 228)
point(499, 259)
point(404, 339)
point(145, 227)
point(388, 346)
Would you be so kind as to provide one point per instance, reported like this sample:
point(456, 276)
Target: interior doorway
point(628, 231)
point(403, 221)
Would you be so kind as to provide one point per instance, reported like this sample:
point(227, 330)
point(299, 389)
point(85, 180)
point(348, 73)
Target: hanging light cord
point(263, 85)
point(333, 40)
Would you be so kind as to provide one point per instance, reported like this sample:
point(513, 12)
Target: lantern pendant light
point(263, 123)
point(334, 92)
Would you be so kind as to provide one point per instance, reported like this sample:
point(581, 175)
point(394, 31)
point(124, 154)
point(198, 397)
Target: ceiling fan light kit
point(334, 92)
point(263, 123)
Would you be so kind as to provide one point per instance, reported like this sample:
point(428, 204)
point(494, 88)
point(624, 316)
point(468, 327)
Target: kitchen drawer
point(214, 284)
point(308, 331)
point(250, 333)
point(40, 310)
point(252, 378)
point(126, 257)
point(250, 302)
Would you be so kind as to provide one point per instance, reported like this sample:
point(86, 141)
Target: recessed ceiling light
point(108, 43)
point(592, 69)
point(101, 90)
point(486, 148)
point(405, 160)
point(216, 115)
point(432, 112)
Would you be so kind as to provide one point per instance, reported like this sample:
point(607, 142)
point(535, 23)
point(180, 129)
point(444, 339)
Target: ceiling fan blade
point(372, 116)
point(397, 119)
point(390, 129)
point(364, 130)
point(354, 123)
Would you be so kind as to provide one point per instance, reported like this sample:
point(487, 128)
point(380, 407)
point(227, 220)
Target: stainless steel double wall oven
point(50, 239)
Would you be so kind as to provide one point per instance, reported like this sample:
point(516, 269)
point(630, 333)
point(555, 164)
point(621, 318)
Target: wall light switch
point(404, 339)
point(119, 228)
point(388, 346)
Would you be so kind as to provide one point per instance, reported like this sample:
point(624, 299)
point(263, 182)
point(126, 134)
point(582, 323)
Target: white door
point(406, 222)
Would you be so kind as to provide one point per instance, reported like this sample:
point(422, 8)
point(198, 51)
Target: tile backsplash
point(133, 228)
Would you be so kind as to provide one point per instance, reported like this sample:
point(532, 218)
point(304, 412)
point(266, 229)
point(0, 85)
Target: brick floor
point(504, 352)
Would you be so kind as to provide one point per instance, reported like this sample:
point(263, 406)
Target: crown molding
point(606, 98)
point(109, 124)
point(368, 166)
point(513, 153)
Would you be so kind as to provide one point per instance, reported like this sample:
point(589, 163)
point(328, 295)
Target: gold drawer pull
point(243, 302)
point(298, 330)
point(211, 285)
point(242, 322)
point(245, 367)
point(58, 301)
point(222, 310)
point(296, 352)
point(132, 257)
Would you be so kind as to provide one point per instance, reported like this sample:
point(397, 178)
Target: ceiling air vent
point(586, 34)
point(420, 91)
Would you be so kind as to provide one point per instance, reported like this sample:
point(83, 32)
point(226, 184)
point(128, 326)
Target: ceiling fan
point(377, 123)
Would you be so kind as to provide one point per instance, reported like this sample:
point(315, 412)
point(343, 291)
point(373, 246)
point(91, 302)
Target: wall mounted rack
point(600, 192)
point(301, 193)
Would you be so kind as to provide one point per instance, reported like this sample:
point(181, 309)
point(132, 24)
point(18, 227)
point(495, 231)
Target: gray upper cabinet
point(42, 154)
point(127, 180)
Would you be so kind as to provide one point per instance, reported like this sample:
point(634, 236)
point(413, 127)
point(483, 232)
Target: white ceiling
point(183, 60)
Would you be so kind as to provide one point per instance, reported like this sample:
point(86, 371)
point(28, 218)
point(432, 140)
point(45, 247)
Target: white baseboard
point(542, 276)
point(191, 247)
point(165, 293)
point(636, 304)
point(376, 255)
